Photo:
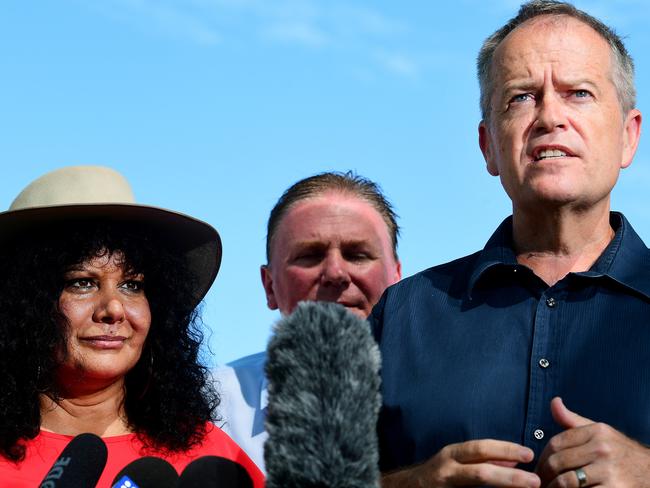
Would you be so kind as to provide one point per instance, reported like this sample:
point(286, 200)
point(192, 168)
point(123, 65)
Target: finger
point(565, 417)
point(566, 460)
point(569, 439)
point(507, 464)
point(569, 479)
point(482, 450)
point(495, 476)
point(580, 430)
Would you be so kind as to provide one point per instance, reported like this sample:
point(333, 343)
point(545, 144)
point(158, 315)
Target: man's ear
point(398, 271)
point(631, 135)
point(485, 143)
point(267, 283)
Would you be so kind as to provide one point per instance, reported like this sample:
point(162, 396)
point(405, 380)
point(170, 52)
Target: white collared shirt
point(242, 387)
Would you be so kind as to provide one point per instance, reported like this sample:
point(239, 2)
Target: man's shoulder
point(451, 268)
point(448, 276)
point(423, 293)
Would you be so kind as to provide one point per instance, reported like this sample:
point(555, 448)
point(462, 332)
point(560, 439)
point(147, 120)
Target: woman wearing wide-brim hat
point(98, 328)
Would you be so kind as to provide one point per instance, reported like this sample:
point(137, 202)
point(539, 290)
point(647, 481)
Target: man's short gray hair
point(622, 69)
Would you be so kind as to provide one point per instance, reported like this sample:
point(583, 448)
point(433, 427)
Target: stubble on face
point(555, 133)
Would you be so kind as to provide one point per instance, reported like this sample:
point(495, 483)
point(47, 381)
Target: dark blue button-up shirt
point(478, 347)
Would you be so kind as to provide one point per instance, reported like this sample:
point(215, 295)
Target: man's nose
point(335, 270)
point(551, 112)
point(110, 309)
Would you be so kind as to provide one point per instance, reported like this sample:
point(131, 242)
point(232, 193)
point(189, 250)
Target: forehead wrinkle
point(514, 66)
point(329, 221)
point(332, 234)
point(318, 217)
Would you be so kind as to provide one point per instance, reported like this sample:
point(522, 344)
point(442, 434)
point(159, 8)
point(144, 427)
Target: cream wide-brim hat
point(86, 193)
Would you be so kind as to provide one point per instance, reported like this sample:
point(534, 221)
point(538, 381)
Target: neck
point(556, 242)
point(100, 412)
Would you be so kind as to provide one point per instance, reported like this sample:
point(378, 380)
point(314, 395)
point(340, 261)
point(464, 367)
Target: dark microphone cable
point(323, 372)
point(146, 472)
point(80, 464)
point(214, 472)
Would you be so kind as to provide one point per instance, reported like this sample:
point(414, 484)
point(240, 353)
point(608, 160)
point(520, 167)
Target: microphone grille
point(81, 463)
point(214, 471)
point(146, 472)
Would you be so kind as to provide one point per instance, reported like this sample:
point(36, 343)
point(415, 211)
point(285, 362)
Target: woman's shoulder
point(217, 443)
point(46, 447)
point(40, 454)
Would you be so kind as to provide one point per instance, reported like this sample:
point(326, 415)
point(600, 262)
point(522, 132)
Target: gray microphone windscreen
point(323, 372)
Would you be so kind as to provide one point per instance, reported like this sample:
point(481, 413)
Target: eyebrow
point(312, 244)
point(319, 243)
point(509, 86)
point(529, 85)
point(357, 243)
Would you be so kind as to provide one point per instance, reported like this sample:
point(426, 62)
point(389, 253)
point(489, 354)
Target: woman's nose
point(110, 310)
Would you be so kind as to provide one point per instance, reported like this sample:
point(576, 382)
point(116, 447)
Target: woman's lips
point(104, 342)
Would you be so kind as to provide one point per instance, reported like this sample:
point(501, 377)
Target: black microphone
point(214, 472)
point(80, 464)
point(323, 372)
point(146, 472)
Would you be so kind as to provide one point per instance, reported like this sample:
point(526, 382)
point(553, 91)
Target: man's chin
point(555, 198)
point(356, 309)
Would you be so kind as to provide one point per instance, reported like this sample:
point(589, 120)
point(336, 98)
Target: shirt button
point(539, 434)
point(551, 302)
point(544, 363)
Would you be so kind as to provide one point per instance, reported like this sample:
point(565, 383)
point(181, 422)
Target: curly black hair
point(168, 395)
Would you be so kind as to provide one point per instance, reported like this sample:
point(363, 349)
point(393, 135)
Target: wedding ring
point(581, 475)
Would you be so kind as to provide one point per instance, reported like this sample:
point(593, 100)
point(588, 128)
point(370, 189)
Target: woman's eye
point(133, 285)
point(80, 284)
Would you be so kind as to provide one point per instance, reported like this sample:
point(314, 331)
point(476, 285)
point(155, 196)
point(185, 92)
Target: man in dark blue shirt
point(476, 352)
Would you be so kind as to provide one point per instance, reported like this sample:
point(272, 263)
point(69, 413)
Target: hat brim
point(198, 241)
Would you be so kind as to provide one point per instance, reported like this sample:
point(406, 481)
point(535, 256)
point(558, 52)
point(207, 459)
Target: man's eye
point(357, 256)
point(582, 94)
point(521, 97)
point(307, 258)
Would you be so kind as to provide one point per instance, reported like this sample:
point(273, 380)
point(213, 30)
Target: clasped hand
point(606, 457)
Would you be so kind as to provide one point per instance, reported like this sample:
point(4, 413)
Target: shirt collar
point(626, 258)
point(497, 252)
point(264, 393)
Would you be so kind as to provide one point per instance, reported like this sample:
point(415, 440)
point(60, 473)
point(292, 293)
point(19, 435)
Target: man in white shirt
point(331, 237)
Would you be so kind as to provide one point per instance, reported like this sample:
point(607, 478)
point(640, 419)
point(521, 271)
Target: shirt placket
point(541, 366)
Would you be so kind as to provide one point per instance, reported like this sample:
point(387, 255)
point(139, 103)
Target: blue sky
point(214, 107)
